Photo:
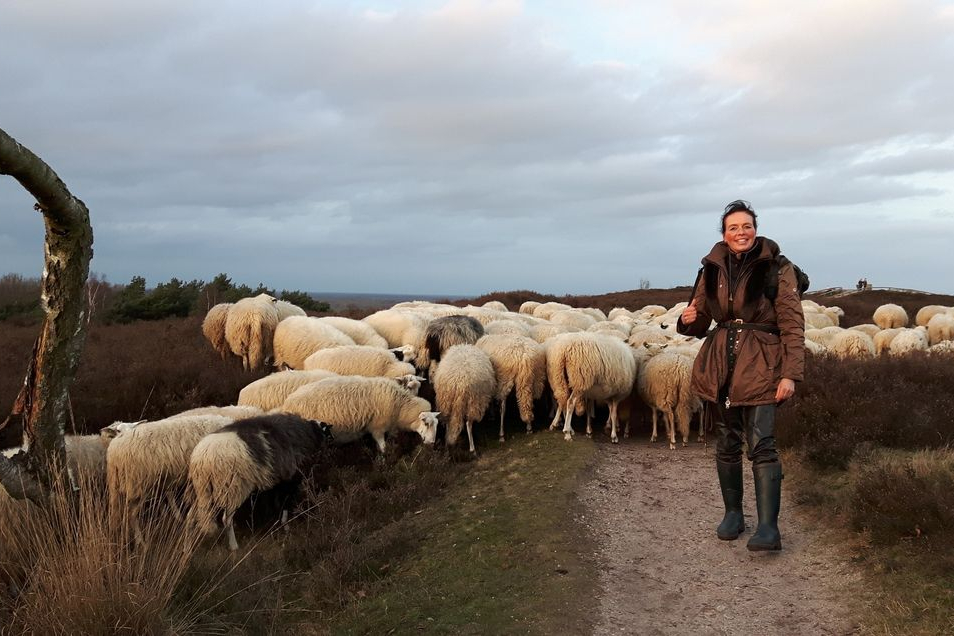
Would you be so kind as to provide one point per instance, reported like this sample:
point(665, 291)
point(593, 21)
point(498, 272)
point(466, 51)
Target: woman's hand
point(689, 315)
point(785, 390)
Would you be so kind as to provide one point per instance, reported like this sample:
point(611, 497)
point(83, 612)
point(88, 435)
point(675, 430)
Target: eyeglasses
point(739, 205)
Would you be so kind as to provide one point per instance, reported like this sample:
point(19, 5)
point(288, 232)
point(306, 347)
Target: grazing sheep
point(909, 340)
point(252, 455)
point(495, 305)
point(572, 318)
point(867, 328)
point(545, 310)
point(520, 364)
point(507, 327)
point(890, 316)
point(405, 353)
point(940, 327)
point(249, 327)
point(822, 336)
point(814, 348)
point(924, 315)
point(287, 310)
point(443, 333)
point(653, 310)
point(398, 327)
point(882, 340)
point(356, 405)
point(213, 328)
point(588, 366)
point(298, 337)
point(663, 384)
point(528, 307)
point(359, 360)
point(235, 412)
point(616, 312)
point(542, 333)
point(944, 347)
point(464, 384)
point(151, 460)
point(815, 320)
point(271, 391)
point(623, 329)
point(643, 334)
point(852, 344)
point(361, 332)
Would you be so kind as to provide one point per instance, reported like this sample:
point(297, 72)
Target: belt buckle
point(737, 321)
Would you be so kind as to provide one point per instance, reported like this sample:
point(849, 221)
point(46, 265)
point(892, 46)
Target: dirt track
point(654, 512)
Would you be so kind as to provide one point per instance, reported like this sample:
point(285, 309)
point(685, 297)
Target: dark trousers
point(756, 423)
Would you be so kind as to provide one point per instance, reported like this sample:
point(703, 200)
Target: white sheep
point(940, 327)
point(152, 460)
point(249, 327)
point(815, 320)
point(252, 455)
point(572, 318)
point(853, 344)
point(882, 339)
point(867, 328)
point(528, 307)
point(507, 327)
point(924, 315)
point(890, 316)
point(542, 333)
point(398, 326)
point(271, 391)
point(298, 337)
point(616, 312)
point(642, 334)
point(359, 360)
point(287, 310)
point(588, 366)
point(595, 313)
point(545, 310)
point(213, 328)
point(464, 384)
point(356, 405)
point(520, 365)
point(944, 347)
point(814, 348)
point(361, 332)
point(495, 305)
point(909, 340)
point(663, 384)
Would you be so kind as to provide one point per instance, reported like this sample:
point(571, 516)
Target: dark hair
point(739, 205)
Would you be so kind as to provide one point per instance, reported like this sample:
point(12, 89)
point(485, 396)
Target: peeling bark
point(41, 406)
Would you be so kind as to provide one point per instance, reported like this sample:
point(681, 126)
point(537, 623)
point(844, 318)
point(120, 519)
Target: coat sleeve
point(791, 324)
point(703, 317)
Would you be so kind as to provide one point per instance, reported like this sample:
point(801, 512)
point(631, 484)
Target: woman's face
point(739, 232)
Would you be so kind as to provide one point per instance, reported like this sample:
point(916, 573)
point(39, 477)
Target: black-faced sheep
point(443, 333)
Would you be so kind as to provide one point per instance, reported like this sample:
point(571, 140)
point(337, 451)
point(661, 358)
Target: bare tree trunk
point(41, 405)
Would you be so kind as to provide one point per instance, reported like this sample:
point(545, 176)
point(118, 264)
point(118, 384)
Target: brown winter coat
point(762, 358)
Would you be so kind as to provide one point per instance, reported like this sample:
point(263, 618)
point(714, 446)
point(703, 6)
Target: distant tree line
point(116, 303)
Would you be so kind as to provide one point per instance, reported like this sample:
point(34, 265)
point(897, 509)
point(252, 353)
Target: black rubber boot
point(768, 496)
point(730, 480)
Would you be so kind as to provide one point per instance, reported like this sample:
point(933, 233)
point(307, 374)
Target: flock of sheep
point(337, 380)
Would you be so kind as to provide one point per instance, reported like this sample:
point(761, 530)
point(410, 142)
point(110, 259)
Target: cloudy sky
point(459, 147)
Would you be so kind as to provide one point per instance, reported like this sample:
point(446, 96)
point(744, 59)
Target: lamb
point(271, 391)
point(890, 316)
point(940, 327)
point(850, 343)
point(443, 333)
point(150, 460)
point(213, 328)
point(927, 312)
point(663, 384)
point(248, 456)
point(298, 337)
point(398, 327)
point(361, 332)
point(464, 384)
point(588, 366)
point(520, 364)
point(359, 360)
point(909, 340)
point(356, 405)
point(249, 326)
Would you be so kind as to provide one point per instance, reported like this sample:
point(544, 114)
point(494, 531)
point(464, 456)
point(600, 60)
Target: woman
point(748, 364)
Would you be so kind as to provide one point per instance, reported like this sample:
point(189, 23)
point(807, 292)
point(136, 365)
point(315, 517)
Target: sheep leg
point(614, 420)
point(589, 419)
point(503, 410)
point(567, 424)
point(702, 433)
point(379, 440)
point(230, 530)
point(556, 418)
point(655, 435)
point(470, 435)
point(671, 428)
point(173, 505)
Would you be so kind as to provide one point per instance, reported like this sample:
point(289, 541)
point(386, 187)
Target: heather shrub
point(896, 494)
point(902, 403)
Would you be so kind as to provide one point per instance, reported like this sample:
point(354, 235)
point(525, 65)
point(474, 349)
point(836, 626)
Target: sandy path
point(653, 513)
